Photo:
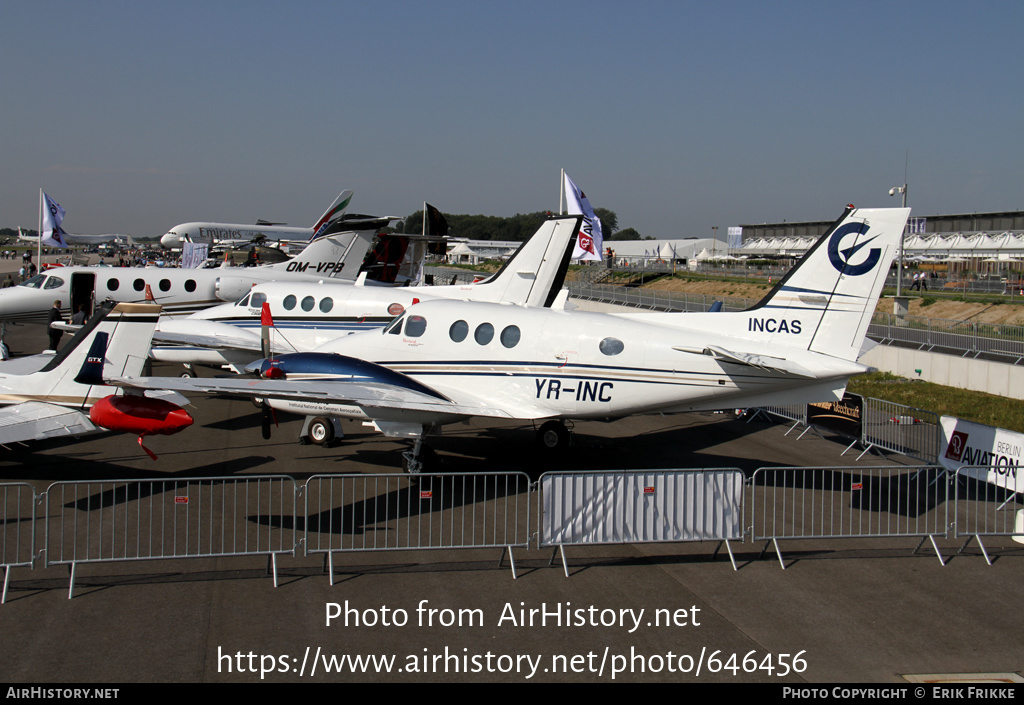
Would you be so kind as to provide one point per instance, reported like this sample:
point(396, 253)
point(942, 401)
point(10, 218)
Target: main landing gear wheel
point(321, 431)
point(422, 458)
point(553, 436)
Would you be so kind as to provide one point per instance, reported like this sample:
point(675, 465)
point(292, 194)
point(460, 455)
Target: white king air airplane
point(307, 315)
point(444, 360)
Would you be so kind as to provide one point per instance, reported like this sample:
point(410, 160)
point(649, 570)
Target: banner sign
point(842, 417)
point(193, 254)
point(968, 443)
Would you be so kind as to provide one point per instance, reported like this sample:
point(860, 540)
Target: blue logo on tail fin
point(92, 368)
point(840, 259)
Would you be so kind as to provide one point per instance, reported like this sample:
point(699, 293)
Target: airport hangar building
point(972, 237)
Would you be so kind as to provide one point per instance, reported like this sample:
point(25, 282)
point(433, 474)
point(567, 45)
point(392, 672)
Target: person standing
point(55, 333)
point(79, 318)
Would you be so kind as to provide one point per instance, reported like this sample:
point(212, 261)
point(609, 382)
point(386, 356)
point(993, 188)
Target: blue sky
point(678, 116)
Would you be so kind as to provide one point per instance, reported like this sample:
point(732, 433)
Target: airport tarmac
point(843, 611)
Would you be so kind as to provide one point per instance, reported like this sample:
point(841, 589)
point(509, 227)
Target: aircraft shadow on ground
point(408, 501)
point(912, 492)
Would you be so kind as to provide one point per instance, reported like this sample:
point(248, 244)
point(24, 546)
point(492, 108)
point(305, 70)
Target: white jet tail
point(533, 275)
point(337, 256)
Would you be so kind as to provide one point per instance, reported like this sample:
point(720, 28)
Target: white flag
point(53, 215)
point(590, 240)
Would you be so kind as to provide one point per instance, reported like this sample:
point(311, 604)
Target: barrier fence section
point(19, 529)
point(849, 502)
point(388, 512)
point(901, 429)
point(588, 508)
point(884, 424)
point(126, 520)
point(793, 412)
point(987, 504)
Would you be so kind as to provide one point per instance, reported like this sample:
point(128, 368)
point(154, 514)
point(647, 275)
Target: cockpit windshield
point(395, 326)
point(35, 282)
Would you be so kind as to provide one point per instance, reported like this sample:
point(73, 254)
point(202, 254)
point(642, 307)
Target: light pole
point(714, 240)
point(899, 261)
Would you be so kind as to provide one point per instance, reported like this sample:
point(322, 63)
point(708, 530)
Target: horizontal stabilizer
point(764, 362)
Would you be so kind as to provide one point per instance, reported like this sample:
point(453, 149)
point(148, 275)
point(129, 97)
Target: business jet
point(58, 394)
point(444, 361)
point(237, 234)
point(307, 315)
point(333, 257)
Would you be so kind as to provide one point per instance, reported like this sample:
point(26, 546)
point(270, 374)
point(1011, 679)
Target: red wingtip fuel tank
point(141, 415)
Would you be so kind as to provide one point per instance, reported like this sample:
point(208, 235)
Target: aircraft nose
point(168, 241)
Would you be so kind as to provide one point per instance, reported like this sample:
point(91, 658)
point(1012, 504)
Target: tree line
point(515, 228)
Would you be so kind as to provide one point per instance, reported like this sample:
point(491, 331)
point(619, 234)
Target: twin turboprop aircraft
point(307, 315)
point(443, 361)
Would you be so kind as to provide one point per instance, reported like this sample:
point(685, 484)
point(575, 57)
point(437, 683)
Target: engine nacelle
point(141, 415)
point(232, 288)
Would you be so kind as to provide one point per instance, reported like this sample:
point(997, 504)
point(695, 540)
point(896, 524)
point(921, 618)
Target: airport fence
point(995, 340)
point(588, 508)
point(130, 520)
point(71, 523)
point(19, 529)
point(388, 512)
point(900, 429)
point(849, 502)
point(985, 506)
point(883, 425)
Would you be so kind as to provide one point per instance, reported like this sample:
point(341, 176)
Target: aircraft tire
point(553, 436)
point(321, 431)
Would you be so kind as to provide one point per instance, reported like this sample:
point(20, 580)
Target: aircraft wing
point(214, 342)
point(764, 362)
point(36, 420)
point(366, 395)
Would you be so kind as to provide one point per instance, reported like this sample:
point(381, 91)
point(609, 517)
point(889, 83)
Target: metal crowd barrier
point(884, 424)
point(19, 529)
point(984, 508)
point(849, 502)
point(794, 412)
point(965, 337)
point(128, 520)
point(388, 512)
point(900, 429)
point(590, 508)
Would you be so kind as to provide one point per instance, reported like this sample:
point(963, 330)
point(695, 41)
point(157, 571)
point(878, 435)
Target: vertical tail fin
point(115, 341)
point(535, 273)
point(832, 292)
point(336, 210)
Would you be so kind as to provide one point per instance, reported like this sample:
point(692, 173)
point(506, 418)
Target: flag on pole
point(590, 240)
point(436, 223)
point(53, 215)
